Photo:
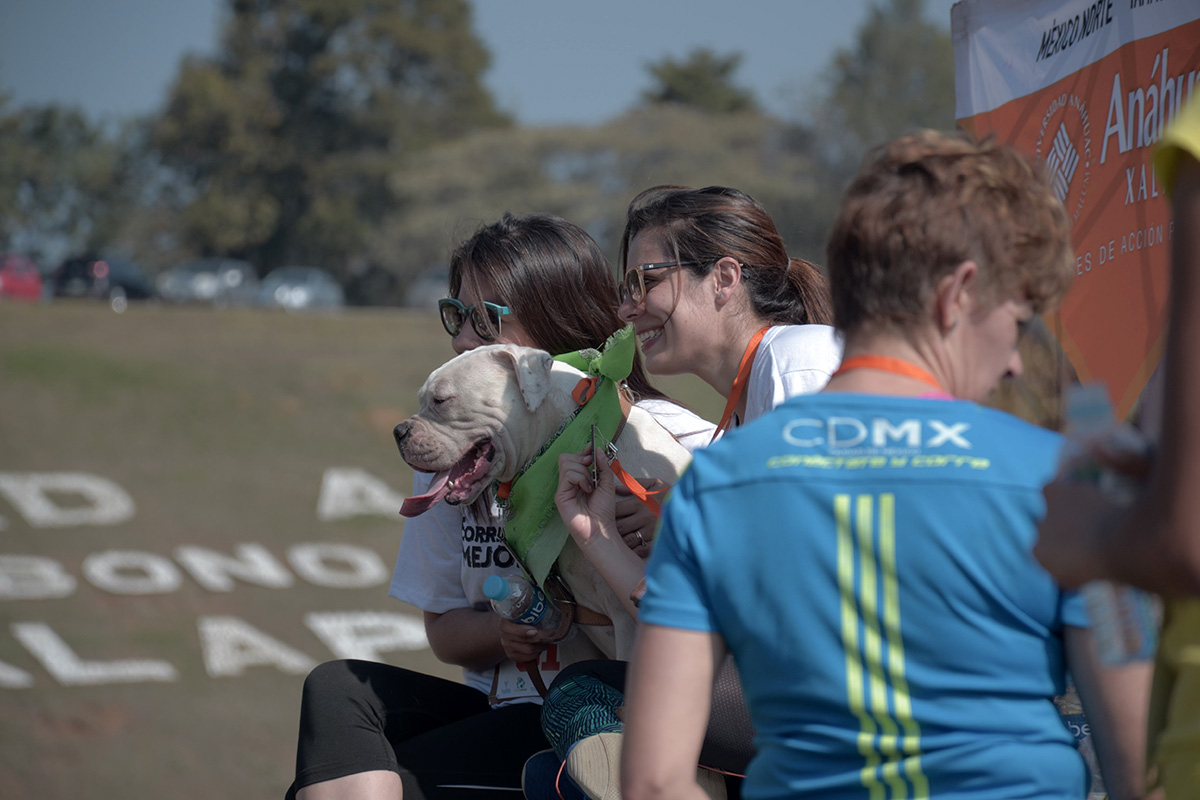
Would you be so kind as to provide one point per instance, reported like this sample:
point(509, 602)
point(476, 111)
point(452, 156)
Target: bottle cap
point(496, 587)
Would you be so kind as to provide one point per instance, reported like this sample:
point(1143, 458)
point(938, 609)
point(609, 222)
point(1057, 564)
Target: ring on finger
point(641, 540)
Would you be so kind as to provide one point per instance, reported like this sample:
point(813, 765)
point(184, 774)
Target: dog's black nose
point(401, 433)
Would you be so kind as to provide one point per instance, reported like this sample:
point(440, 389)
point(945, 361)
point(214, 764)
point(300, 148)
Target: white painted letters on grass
point(65, 499)
point(71, 670)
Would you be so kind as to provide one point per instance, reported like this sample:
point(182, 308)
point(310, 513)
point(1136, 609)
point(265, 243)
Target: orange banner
point(1089, 87)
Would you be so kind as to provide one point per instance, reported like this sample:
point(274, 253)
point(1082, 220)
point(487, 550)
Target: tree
point(897, 77)
point(281, 144)
point(587, 175)
point(63, 182)
point(703, 81)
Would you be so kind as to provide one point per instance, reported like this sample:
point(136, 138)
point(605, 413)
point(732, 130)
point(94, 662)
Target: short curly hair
point(923, 204)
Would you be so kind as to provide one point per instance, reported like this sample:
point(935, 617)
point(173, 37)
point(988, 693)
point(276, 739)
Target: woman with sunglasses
point(711, 291)
point(371, 730)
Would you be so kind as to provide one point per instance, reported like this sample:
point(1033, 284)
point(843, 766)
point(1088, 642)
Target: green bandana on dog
point(530, 502)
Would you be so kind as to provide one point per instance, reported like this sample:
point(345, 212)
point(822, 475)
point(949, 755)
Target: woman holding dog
point(371, 730)
point(711, 291)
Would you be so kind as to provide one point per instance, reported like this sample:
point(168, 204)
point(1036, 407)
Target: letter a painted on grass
point(347, 492)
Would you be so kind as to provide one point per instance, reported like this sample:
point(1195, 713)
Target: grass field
point(220, 426)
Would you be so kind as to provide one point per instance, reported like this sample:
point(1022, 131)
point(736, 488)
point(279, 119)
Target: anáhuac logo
point(1065, 143)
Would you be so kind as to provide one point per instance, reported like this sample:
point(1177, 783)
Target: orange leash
point(636, 488)
point(582, 393)
point(888, 364)
point(739, 382)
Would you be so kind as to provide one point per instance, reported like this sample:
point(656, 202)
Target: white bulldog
point(484, 414)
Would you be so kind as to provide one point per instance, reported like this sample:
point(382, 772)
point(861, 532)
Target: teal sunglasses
point(485, 317)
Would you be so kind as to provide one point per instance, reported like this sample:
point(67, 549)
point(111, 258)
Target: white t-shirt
point(791, 360)
point(689, 429)
point(446, 555)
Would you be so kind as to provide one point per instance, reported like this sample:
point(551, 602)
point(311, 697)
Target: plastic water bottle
point(1124, 619)
point(519, 600)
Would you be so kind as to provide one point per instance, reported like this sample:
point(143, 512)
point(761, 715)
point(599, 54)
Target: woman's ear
point(953, 300)
point(726, 274)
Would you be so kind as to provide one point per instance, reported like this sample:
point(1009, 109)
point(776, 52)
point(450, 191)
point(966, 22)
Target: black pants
point(441, 737)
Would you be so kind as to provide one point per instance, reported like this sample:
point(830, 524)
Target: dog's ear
point(532, 368)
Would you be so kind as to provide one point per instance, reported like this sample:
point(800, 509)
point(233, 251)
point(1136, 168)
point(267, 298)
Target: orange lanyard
point(888, 364)
point(635, 488)
point(739, 382)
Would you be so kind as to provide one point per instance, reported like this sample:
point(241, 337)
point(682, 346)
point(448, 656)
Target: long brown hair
point(554, 277)
point(706, 225)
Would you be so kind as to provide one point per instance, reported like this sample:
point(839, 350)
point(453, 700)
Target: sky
point(571, 62)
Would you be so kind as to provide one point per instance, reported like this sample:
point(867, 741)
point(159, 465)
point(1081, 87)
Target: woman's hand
point(523, 642)
point(635, 522)
point(1091, 494)
point(1069, 536)
point(588, 511)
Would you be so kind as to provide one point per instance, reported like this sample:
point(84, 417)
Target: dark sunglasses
point(633, 285)
point(485, 317)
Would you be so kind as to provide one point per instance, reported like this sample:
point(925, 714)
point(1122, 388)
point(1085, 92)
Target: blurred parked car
point(221, 281)
point(295, 288)
point(114, 279)
point(19, 277)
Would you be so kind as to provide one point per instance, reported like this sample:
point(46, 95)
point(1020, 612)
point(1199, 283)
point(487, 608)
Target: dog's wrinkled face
point(477, 422)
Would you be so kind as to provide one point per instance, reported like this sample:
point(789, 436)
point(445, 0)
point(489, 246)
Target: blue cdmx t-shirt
point(867, 560)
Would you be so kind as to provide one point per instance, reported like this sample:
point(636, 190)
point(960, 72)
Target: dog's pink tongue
point(419, 504)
